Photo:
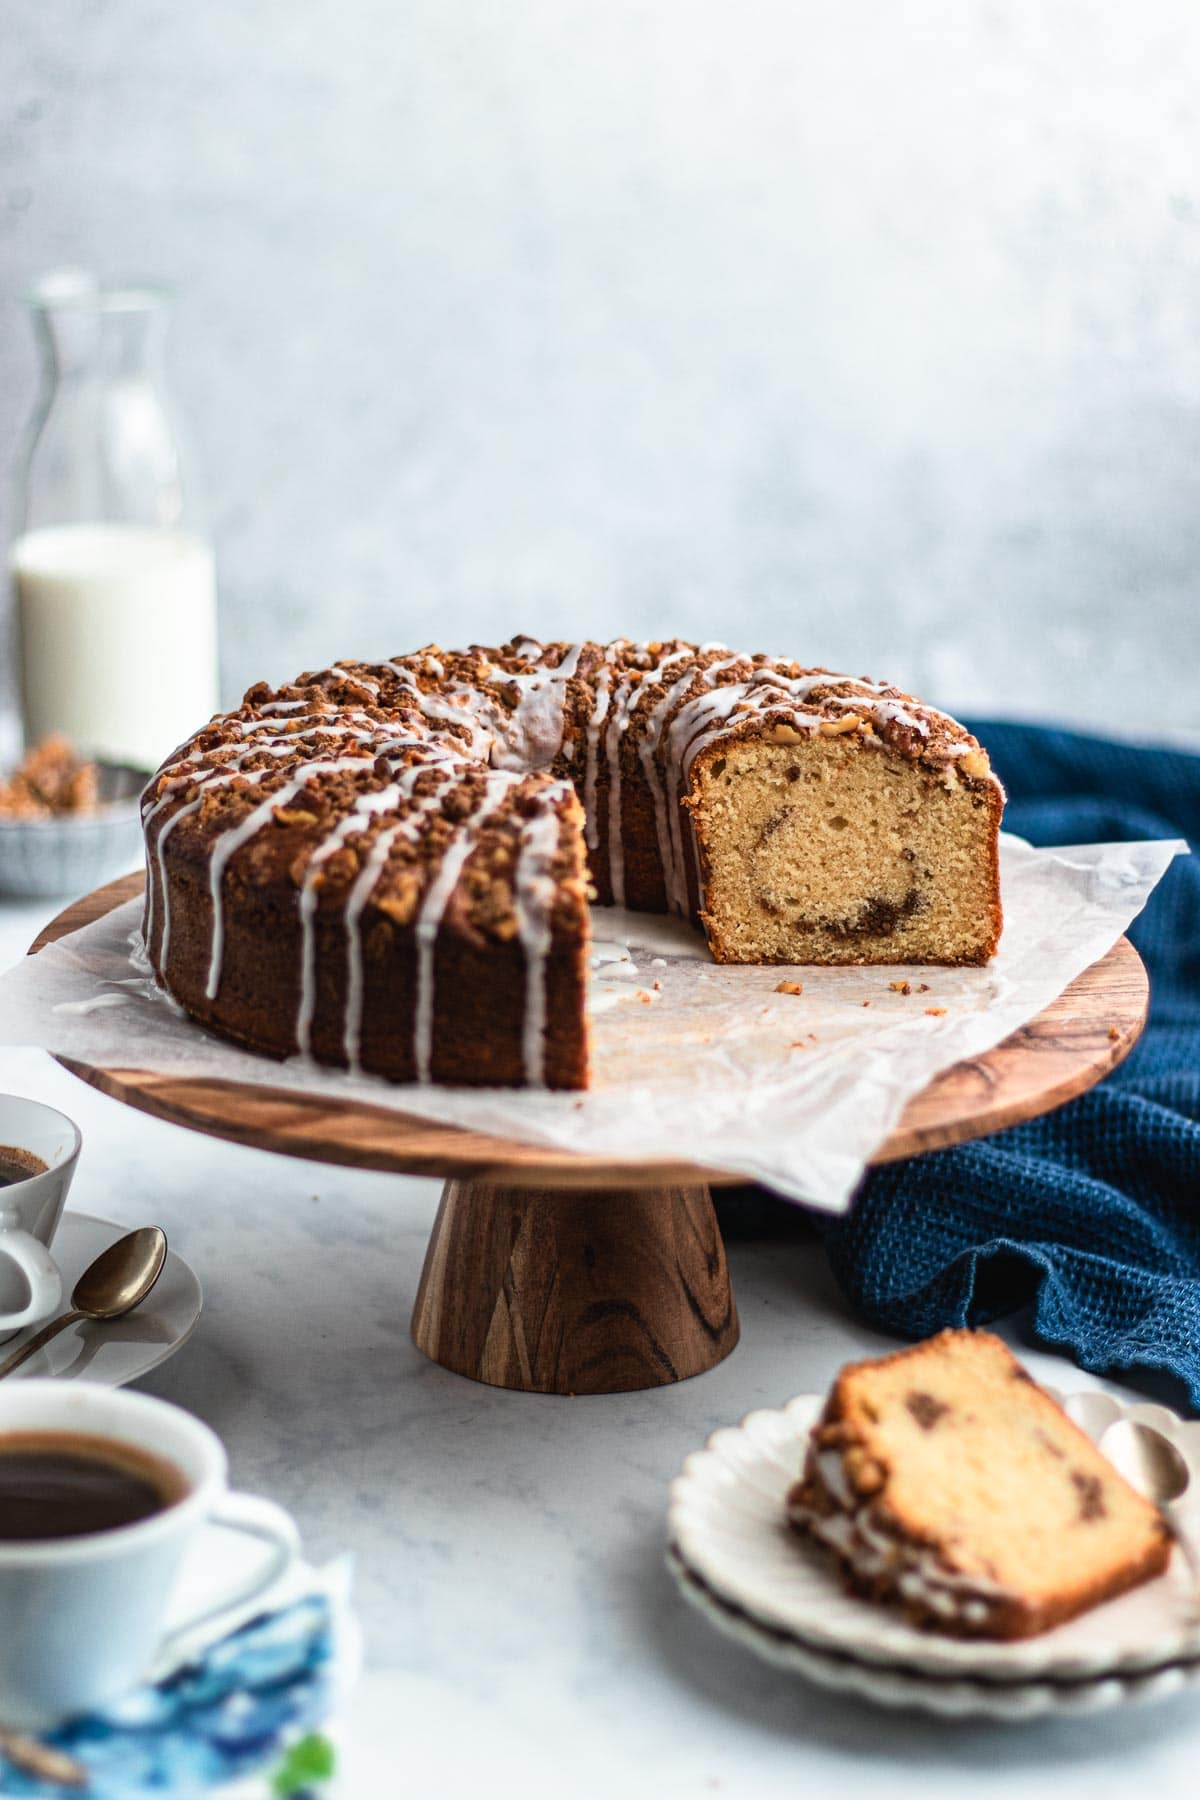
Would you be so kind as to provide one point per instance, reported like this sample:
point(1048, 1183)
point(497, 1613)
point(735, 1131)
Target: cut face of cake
point(812, 852)
point(943, 1479)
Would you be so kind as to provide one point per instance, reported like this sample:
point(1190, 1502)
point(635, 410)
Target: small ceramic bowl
point(72, 853)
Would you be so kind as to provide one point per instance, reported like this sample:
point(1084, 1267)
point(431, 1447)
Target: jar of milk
point(112, 573)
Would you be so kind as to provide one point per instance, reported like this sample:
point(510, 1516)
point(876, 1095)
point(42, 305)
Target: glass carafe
point(112, 572)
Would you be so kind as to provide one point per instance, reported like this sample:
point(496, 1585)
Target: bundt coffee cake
point(944, 1480)
point(387, 866)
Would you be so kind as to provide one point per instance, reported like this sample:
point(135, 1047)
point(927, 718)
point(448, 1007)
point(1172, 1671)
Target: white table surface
point(523, 1637)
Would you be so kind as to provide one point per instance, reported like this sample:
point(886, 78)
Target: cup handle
point(256, 1518)
point(39, 1269)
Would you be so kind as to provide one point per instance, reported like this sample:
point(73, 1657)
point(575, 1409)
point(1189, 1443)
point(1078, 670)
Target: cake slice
point(943, 1479)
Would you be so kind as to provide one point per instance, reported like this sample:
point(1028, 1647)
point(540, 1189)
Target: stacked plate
point(737, 1560)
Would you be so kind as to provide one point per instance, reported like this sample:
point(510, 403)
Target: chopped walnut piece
point(399, 900)
point(790, 987)
point(922, 987)
point(1114, 1033)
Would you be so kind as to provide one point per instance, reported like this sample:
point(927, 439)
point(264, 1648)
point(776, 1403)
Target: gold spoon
point(1156, 1467)
point(118, 1280)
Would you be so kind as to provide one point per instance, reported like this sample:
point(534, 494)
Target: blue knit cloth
point(1091, 1214)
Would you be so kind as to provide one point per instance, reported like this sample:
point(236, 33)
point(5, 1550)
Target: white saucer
point(123, 1349)
point(737, 1560)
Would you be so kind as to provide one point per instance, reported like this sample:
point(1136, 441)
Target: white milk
point(118, 631)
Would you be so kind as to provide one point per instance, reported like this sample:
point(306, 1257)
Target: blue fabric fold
point(1090, 1215)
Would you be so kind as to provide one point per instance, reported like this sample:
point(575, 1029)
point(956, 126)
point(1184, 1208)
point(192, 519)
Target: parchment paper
point(692, 1059)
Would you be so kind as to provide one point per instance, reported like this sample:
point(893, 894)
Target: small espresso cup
point(30, 1208)
point(82, 1619)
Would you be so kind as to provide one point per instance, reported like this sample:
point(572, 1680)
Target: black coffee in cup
point(18, 1165)
point(60, 1484)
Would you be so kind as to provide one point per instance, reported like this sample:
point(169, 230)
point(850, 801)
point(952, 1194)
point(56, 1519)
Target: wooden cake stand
point(568, 1274)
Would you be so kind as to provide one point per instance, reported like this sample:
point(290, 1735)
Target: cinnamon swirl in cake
point(387, 866)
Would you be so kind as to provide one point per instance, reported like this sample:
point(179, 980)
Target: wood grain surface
point(1064, 1051)
point(537, 1289)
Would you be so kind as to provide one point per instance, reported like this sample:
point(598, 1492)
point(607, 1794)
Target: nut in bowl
point(67, 824)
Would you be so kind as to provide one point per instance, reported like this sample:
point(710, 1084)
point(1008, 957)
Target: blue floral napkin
point(252, 1704)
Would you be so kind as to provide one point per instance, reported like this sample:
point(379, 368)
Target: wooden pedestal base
point(562, 1292)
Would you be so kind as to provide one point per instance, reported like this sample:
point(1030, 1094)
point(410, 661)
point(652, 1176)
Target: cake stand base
point(561, 1292)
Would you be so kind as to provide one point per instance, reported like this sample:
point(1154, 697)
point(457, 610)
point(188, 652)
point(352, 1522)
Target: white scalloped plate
point(728, 1528)
point(949, 1697)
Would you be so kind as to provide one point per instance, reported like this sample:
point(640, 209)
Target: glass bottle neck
point(107, 342)
point(104, 445)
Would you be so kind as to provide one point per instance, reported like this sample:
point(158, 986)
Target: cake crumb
point(900, 987)
point(658, 987)
point(643, 996)
point(923, 987)
point(1113, 1033)
point(866, 1003)
point(790, 987)
point(935, 1012)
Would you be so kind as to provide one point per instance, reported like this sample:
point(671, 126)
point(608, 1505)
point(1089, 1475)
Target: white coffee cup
point(30, 1284)
point(82, 1618)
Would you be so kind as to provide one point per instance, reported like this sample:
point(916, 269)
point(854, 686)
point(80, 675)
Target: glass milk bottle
point(113, 578)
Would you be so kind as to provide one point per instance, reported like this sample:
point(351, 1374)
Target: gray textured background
point(865, 332)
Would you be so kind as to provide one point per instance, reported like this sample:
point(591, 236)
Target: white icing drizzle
point(648, 752)
point(454, 705)
point(433, 909)
point(164, 834)
point(534, 890)
point(627, 690)
point(364, 886)
point(595, 720)
point(231, 841)
point(214, 779)
point(525, 738)
point(280, 740)
point(678, 898)
point(333, 720)
point(530, 737)
point(364, 808)
point(351, 679)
